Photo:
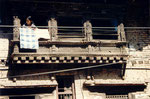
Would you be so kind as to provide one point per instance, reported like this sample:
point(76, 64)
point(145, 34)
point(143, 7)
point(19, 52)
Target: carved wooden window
point(65, 87)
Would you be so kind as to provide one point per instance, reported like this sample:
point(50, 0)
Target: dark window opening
point(65, 87)
point(70, 32)
point(101, 36)
point(70, 21)
point(105, 33)
point(64, 82)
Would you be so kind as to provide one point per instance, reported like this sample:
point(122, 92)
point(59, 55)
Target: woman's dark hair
point(29, 18)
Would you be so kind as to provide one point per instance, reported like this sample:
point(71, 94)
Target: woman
point(29, 23)
point(29, 36)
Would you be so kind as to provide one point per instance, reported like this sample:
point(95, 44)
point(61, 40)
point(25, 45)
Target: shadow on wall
point(6, 36)
point(138, 40)
point(116, 90)
point(106, 72)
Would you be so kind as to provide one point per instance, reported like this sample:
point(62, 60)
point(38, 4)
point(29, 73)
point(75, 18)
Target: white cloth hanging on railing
point(42, 33)
point(28, 39)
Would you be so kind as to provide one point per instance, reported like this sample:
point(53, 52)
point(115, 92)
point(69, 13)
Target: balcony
point(83, 45)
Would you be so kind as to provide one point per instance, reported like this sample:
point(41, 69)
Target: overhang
point(29, 82)
point(113, 83)
point(66, 58)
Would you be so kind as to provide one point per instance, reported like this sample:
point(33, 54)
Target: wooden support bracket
point(123, 71)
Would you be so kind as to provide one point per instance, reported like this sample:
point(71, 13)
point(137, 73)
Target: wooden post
point(16, 48)
point(54, 29)
point(123, 71)
point(49, 29)
point(16, 33)
point(123, 36)
point(17, 25)
point(119, 34)
point(88, 30)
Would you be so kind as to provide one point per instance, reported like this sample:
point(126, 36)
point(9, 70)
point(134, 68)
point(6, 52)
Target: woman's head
point(29, 21)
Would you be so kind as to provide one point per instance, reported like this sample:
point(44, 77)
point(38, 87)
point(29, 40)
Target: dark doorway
point(66, 87)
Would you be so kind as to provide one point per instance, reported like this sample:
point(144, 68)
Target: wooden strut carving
point(121, 33)
point(53, 29)
point(123, 37)
point(17, 25)
point(88, 30)
point(49, 29)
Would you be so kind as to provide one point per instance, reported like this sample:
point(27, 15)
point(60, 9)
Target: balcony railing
point(82, 33)
point(116, 96)
point(65, 96)
point(85, 44)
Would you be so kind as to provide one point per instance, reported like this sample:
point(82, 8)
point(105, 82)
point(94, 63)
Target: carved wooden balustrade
point(71, 49)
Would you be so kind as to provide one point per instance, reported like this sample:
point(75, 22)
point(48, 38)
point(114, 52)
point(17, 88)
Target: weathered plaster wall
point(46, 96)
point(24, 81)
point(136, 72)
point(4, 55)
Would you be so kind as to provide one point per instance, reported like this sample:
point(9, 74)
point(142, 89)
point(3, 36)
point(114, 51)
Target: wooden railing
point(116, 96)
point(65, 93)
point(70, 33)
point(62, 38)
point(65, 96)
point(86, 32)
